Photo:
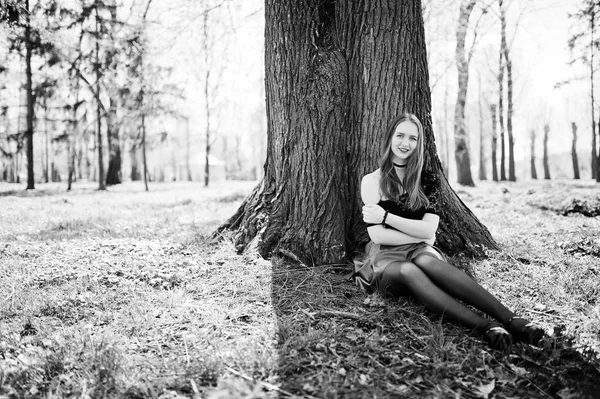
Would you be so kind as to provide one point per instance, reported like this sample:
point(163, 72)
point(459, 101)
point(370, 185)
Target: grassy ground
point(121, 294)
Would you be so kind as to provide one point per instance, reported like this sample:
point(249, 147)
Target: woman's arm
point(373, 213)
point(424, 228)
point(383, 236)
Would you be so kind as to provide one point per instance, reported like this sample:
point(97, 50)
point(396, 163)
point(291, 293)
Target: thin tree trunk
point(30, 99)
point(324, 129)
point(501, 113)
point(206, 100)
point(595, 162)
point(482, 171)
point(461, 148)
point(546, 166)
point(574, 152)
point(532, 163)
point(47, 142)
point(509, 83)
point(101, 185)
point(494, 143)
point(598, 158)
point(71, 144)
point(187, 149)
point(144, 160)
point(113, 174)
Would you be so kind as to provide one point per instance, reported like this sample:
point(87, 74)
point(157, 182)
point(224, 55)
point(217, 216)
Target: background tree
point(532, 155)
point(461, 150)
point(482, 157)
point(494, 143)
point(29, 96)
point(545, 159)
point(501, 110)
point(583, 45)
point(574, 151)
point(505, 52)
point(307, 205)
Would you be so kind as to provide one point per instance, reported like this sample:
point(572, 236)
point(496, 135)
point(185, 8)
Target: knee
point(425, 260)
point(403, 271)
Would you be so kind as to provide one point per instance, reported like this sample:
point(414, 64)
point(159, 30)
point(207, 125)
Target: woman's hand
point(373, 214)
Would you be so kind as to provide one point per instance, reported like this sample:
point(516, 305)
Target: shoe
point(525, 331)
point(497, 336)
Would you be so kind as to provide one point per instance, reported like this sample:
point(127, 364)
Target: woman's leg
point(459, 284)
point(399, 277)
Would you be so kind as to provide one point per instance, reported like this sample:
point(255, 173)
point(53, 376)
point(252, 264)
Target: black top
point(430, 184)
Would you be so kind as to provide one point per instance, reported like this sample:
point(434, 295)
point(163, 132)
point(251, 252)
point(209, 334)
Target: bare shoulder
point(372, 177)
point(369, 188)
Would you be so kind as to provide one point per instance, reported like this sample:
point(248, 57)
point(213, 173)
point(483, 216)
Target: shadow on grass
point(336, 341)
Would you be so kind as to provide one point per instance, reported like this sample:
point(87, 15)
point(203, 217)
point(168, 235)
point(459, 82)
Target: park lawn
point(123, 294)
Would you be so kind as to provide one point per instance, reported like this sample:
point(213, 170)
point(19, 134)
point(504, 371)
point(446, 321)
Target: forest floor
point(122, 294)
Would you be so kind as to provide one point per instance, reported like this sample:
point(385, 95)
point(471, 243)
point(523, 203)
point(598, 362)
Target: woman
point(400, 259)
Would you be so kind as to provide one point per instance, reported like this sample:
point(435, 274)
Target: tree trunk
point(206, 100)
point(574, 152)
point(494, 143)
point(501, 114)
point(133, 158)
point(597, 157)
point(336, 74)
point(509, 83)
point(30, 99)
point(71, 140)
point(101, 185)
point(113, 175)
point(45, 154)
point(532, 163)
point(144, 160)
point(461, 148)
point(595, 162)
point(482, 171)
point(546, 166)
point(188, 171)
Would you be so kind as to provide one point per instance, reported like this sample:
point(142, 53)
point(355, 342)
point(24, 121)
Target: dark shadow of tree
point(336, 341)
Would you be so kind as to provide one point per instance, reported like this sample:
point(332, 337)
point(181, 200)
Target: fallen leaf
point(483, 391)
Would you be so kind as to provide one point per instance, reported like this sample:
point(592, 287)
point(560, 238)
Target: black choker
point(398, 165)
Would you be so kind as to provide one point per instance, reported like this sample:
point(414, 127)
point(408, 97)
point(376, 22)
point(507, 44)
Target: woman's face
point(404, 141)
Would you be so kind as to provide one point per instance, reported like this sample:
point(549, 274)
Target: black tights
point(435, 283)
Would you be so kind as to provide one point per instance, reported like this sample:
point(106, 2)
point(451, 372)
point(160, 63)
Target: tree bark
point(509, 83)
point(546, 166)
point(574, 152)
point(597, 156)
point(144, 160)
point(336, 74)
point(113, 174)
point(494, 143)
point(101, 185)
point(30, 99)
point(206, 100)
point(45, 155)
point(501, 113)
point(482, 169)
point(461, 148)
point(532, 163)
point(595, 162)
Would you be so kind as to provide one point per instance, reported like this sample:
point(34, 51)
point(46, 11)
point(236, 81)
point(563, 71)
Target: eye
point(413, 138)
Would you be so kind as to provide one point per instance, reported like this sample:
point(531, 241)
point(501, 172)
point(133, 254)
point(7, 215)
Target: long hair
point(390, 184)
